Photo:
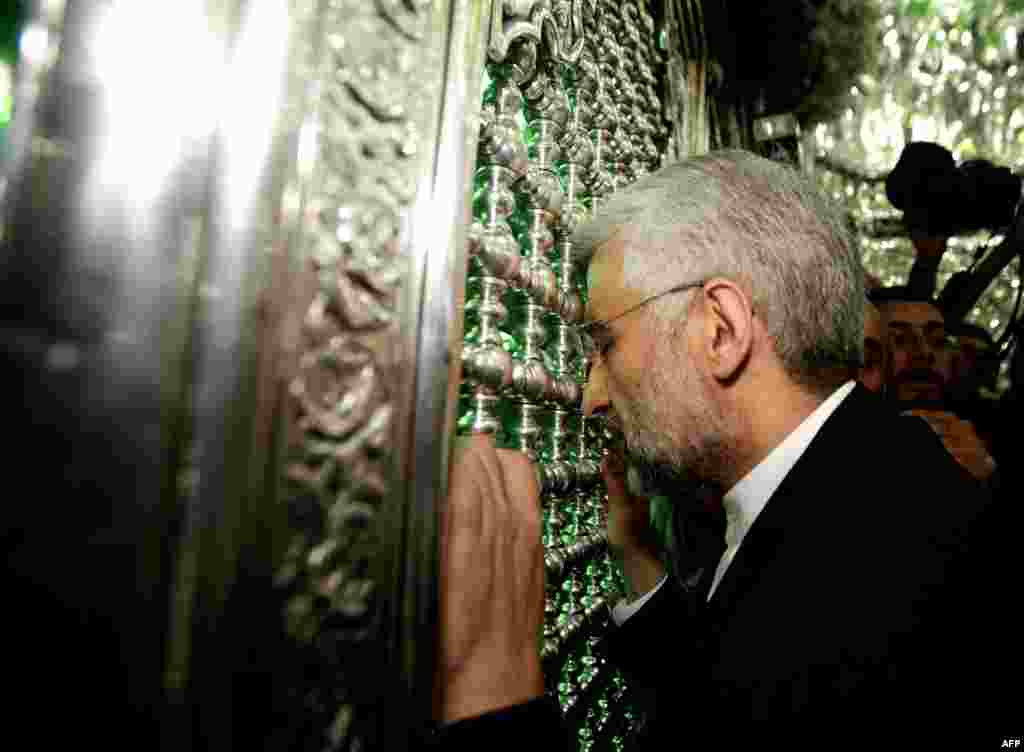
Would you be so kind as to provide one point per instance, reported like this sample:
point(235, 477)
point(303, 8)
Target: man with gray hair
point(725, 324)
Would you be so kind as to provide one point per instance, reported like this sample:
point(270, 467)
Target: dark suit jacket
point(864, 604)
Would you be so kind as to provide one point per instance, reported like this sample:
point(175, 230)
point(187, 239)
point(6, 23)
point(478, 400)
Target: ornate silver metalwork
point(574, 626)
point(576, 78)
point(503, 160)
point(533, 21)
point(591, 119)
point(281, 273)
point(585, 546)
point(602, 46)
point(380, 181)
point(258, 214)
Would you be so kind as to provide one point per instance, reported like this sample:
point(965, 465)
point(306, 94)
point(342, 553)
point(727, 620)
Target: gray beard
point(648, 478)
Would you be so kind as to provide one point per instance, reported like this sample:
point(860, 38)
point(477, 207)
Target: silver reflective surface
point(234, 257)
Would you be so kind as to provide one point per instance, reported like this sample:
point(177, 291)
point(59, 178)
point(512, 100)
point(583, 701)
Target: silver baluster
point(487, 364)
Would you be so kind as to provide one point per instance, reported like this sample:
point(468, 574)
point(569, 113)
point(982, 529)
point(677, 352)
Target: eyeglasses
point(595, 336)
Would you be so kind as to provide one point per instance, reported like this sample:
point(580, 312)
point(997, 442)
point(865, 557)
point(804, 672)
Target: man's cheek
point(891, 367)
point(944, 367)
point(898, 363)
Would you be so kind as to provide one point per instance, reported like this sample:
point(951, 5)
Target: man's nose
point(922, 351)
point(595, 391)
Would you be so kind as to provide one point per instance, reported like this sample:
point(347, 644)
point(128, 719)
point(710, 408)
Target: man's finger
point(493, 500)
point(520, 478)
point(465, 485)
point(523, 493)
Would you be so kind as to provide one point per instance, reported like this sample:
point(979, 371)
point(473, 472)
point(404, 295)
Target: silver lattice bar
point(573, 85)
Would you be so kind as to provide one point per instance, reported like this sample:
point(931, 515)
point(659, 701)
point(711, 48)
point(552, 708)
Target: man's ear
point(728, 328)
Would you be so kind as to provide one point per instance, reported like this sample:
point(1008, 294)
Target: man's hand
point(960, 440)
point(631, 537)
point(492, 582)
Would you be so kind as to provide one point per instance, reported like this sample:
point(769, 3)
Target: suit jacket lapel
point(792, 509)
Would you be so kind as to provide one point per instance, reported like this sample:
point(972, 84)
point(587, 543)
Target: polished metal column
point(380, 220)
point(234, 257)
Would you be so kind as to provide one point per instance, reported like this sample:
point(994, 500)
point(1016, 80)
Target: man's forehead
point(916, 313)
point(605, 276)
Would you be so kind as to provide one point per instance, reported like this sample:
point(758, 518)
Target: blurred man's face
point(872, 375)
point(918, 357)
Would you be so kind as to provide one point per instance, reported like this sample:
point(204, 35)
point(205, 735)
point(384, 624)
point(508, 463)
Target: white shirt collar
point(745, 500)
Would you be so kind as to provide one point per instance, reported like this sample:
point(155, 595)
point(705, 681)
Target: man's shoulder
point(889, 477)
point(866, 443)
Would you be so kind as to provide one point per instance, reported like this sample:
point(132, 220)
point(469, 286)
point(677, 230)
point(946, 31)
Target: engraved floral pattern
point(362, 130)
